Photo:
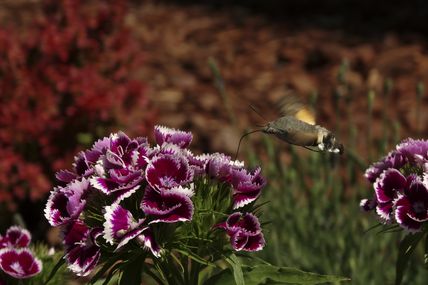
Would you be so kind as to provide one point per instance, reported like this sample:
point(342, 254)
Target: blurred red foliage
point(68, 76)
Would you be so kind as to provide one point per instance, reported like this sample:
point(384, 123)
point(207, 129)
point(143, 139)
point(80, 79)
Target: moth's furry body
point(298, 132)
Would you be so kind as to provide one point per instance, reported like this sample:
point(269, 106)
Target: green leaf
point(132, 272)
point(195, 257)
point(405, 250)
point(60, 263)
point(268, 274)
point(426, 252)
point(112, 273)
point(107, 265)
point(238, 276)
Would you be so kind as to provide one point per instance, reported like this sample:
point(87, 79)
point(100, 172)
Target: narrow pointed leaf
point(268, 274)
point(238, 276)
point(406, 248)
point(58, 265)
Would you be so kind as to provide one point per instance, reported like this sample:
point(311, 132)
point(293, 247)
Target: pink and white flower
point(19, 262)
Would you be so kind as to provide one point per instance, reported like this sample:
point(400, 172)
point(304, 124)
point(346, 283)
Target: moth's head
point(331, 144)
point(269, 128)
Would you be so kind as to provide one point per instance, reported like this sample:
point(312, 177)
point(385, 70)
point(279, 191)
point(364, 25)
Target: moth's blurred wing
point(290, 105)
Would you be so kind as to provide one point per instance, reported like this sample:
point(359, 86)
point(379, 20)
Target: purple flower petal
point(403, 207)
point(368, 204)
point(19, 263)
point(17, 237)
point(82, 252)
point(120, 226)
point(167, 171)
point(66, 203)
point(197, 162)
point(65, 176)
point(388, 185)
point(242, 241)
point(244, 231)
point(220, 166)
point(169, 135)
point(121, 183)
point(170, 207)
point(243, 222)
point(247, 186)
point(148, 241)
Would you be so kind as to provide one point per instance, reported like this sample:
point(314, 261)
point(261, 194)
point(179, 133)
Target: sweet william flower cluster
point(400, 183)
point(124, 196)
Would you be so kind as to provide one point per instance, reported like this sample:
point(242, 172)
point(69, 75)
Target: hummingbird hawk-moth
point(297, 126)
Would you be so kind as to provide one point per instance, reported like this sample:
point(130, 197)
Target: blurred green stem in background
point(420, 92)
point(220, 85)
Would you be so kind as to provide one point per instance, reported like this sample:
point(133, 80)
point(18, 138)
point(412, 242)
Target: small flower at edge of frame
point(19, 263)
point(412, 206)
point(16, 237)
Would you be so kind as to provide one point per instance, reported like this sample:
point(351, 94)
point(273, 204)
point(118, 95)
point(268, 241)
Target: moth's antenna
point(243, 136)
point(257, 112)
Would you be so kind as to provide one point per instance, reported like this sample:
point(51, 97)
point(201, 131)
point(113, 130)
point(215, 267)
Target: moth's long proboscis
point(243, 136)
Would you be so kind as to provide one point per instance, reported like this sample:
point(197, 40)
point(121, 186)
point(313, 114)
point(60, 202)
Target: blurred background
point(74, 71)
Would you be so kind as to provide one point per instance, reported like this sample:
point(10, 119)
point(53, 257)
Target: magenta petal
point(368, 204)
point(18, 237)
point(82, 253)
point(403, 208)
point(66, 203)
point(170, 207)
point(65, 176)
point(418, 197)
point(384, 210)
point(243, 222)
point(167, 171)
point(118, 222)
point(169, 135)
point(148, 241)
point(120, 226)
point(19, 263)
point(255, 243)
point(388, 185)
point(130, 235)
point(238, 240)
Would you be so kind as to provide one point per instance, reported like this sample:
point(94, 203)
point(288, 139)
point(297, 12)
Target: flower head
point(66, 203)
point(412, 206)
point(400, 185)
point(19, 262)
point(16, 237)
point(244, 231)
point(166, 171)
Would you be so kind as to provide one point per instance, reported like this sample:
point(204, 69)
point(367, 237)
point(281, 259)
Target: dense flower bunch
point(16, 259)
point(69, 75)
point(125, 196)
point(400, 182)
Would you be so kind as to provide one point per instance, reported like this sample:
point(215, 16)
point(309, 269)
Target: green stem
point(154, 277)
